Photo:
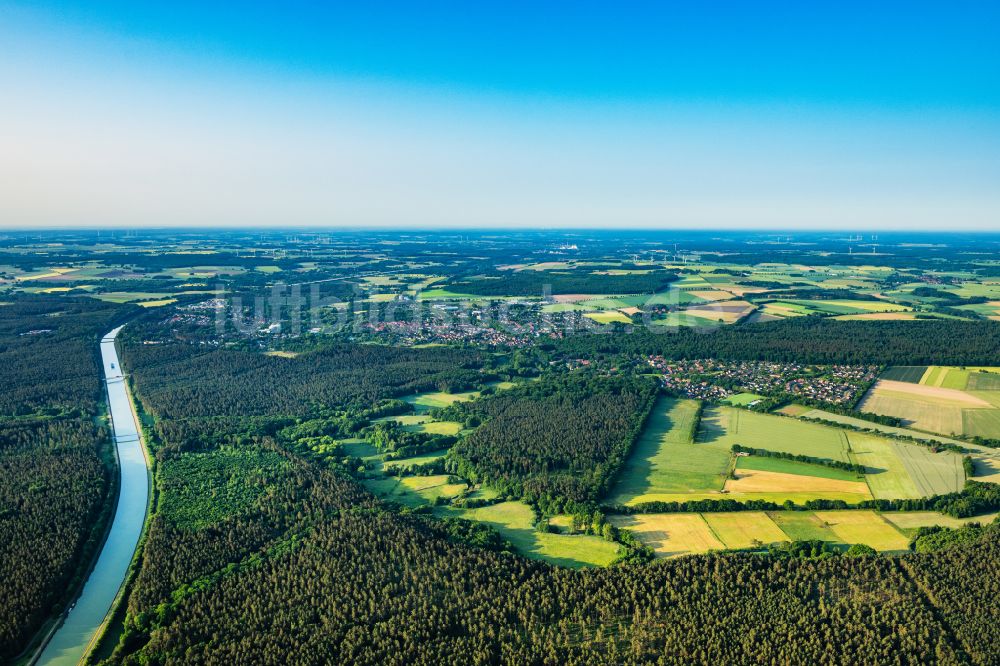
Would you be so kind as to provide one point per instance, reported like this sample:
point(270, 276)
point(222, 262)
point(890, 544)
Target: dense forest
point(537, 283)
point(55, 470)
point(560, 437)
point(332, 593)
point(190, 381)
point(252, 540)
point(806, 340)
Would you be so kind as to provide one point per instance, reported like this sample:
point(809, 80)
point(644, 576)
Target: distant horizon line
point(310, 228)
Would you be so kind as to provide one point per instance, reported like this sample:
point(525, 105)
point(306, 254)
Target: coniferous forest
point(330, 574)
point(55, 457)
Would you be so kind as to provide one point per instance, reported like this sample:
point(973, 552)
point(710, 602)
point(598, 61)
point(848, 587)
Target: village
point(716, 380)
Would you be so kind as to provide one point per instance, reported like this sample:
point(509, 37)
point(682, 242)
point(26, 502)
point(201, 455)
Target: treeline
point(814, 293)
point(798, 457)
point(977, 498)
point(537, 283)
point(55, 460)
point(806, 340)
point(560, 437)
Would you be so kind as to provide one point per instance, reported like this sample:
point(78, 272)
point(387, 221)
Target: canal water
point(75, 636)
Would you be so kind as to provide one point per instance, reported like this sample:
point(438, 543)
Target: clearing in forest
point(666, 458)
point(515, 522)
point(745, 529)
point(414, 491)
point(670, 534)
point(425, 402)
point(865, 527)
point(674, 534)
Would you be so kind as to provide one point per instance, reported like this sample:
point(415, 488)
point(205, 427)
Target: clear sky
point(574, 114)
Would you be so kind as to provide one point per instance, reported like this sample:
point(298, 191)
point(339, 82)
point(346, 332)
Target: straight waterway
point(83, 622)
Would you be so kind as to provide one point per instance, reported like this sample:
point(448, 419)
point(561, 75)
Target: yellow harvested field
point(282, 354)
point(671, 534)
point(712, 294)
point(727, 312)
point(630, 311)
point(740, 290)
point(745, 529)
point(780, 310)
point(987, 467)
point(610, 317)
point(926, 393)
point(920, 415)
point(53, 272)
point(758, 481)
point(865, 527)
point(935, 408)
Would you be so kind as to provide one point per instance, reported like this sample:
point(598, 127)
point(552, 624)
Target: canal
point(85, 619)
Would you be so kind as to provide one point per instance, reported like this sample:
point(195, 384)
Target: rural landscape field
point(322, 412)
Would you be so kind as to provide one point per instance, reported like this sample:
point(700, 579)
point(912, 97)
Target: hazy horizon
point(500, 116)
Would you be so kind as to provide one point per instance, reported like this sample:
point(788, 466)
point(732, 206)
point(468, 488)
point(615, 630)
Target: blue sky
point(847, 115)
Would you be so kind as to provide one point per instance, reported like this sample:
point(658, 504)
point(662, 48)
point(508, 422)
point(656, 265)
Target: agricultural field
point(666, 458)
point(836, 307)
point(684, 319)
point(667, 465)
point(823, 415)
point(515, 522)
point(865, 527)
point(671, 534)
point(744, 529)
point(846, 307)
point(908, 522)
point(726, 312)
point(674, 534)
point(782, 485)
point(794, 467)
point(945, 400)
point(724, 426)
point(608, 317)
point(878, 316)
